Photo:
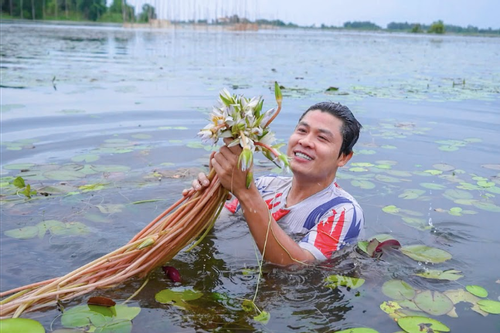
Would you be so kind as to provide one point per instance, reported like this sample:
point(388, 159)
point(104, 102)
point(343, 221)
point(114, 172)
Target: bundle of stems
point(154, 245)
point(167, 234)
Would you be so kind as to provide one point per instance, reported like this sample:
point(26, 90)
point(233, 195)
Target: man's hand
point(225, 163)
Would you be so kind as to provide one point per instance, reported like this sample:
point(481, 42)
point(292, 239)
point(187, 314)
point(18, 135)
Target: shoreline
point(239, 27)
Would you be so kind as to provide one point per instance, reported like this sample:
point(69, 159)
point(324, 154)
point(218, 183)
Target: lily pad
point(454, 194)
point(433, 302)
point(477, 290)
point(443, 167)
point(22, 233)
point(178, 298)
point(398, 290)
point(418, 324)
point(86, 158)
point(425, 253)
point(358, 330)
point(460, 295)
point(364, 184)
point(411, 194)
point(387, 179)
point(488, 206)
point(338, 280)
point(21, 325)
point(391, 209)
point(81, 316)
point(449, 274)
point(432, 186)
point(489, 306)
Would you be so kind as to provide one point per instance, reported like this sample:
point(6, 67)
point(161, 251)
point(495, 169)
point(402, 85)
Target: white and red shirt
point(330, 218)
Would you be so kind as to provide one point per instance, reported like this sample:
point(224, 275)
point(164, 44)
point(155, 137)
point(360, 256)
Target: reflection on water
point(119, 110)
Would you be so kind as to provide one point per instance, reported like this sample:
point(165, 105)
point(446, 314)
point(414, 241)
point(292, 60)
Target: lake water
point(99, 118)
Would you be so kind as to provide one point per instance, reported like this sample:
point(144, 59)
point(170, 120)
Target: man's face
point(314, 147)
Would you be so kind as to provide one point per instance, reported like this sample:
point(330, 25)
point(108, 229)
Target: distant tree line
point(438, 27)
point(91, 10)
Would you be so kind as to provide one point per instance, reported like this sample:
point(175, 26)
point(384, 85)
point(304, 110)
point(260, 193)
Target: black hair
point(350, 125)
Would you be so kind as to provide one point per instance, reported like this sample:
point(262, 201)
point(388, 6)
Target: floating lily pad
point(86, 158)
point(433, 302)
point(418, 324)
point(358, 169)
point(338, 280)
point(425, 253)
point(411, 194)
point(491, 166)
point(19, 166)
point(489, 306)
point(178, 297)
point(387, 179)
point(364, 184)
point(391, 209)
point(443, 167)
point(142, 136)
point(358, 330)
point(454, 194)
point(362, 164)
point(456, 211)
point(20, 325)
point(391, 308)
point(432, 186)
point(433, 172)
point(477, 290)
point(450, 274)
point(22, 233)
point(398, 290)
point(489, 206)
point(81, 316)
point(460, 295)
point(110, 208)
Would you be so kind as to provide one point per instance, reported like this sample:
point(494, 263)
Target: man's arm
point(271, 239)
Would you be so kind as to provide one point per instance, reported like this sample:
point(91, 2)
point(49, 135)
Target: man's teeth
point(304, 156)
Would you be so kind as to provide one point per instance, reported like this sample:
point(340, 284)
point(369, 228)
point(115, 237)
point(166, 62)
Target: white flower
point(267, 116)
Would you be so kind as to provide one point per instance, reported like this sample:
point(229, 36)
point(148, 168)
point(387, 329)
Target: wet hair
point(350, 125)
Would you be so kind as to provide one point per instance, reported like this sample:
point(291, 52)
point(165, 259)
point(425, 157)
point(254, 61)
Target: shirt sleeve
point(336, 228)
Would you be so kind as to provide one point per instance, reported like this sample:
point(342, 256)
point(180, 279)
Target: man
point(310, 202)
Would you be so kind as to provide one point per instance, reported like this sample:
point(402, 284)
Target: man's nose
point(306, 141)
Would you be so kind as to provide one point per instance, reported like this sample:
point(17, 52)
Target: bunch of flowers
point(242, 119)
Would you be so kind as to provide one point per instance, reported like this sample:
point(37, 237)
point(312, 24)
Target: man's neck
point(302, 190)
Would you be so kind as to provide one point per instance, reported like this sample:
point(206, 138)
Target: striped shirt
point(328, 219)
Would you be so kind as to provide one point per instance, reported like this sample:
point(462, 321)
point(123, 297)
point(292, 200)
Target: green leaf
point(358, 330)
point(489, 306)
point(432, 186)
point(453, 194)
point(89, 158)
point(346, 281)
point(398, 290)
point(263, 317)
point(434, 172)
point(115, 326)
point(411, 194)
point(418, 324)
point(81, 316)
point(425, 253)
point(19, 182)
point(176, 297)
point(433, 302)
point(450, 274)
point(20, 325)
point(485, 184)
point(22, 233)
point(364, 184)
point(491, 207)
point(477, 290)
point(391, 209)
point(456, 211)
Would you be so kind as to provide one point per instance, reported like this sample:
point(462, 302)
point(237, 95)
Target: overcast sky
point(480, 13)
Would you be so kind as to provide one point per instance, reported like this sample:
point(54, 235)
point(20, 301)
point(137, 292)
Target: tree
point(416, 28)
point(148, 13)
point(92, 9)
point(436, 28)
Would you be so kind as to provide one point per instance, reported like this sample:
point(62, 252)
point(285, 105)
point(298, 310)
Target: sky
point(479, 13)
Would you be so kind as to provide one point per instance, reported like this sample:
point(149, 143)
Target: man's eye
point(301, 130)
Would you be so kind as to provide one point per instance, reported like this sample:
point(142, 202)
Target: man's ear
point(344, 159)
